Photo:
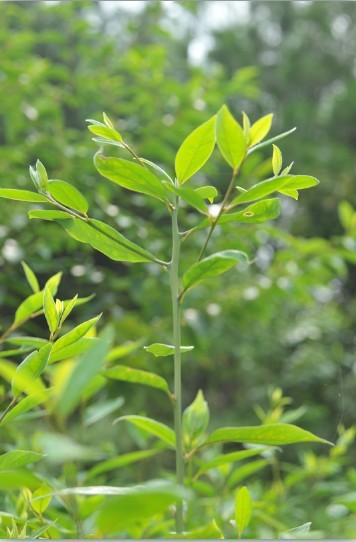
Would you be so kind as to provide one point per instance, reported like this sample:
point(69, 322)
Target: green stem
point(174, 276)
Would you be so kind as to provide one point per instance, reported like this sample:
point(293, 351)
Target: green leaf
point(210, 531)
point(207, 192)
point(275, 434)
point(106, 132)
point(27, 341)
point(68, 195)
point(40, 499)
point(136, 504)
point(243, 509)
point(290, 193)
point(127, 374)
point(188, 195)
point(30, 370)
point(18, 478)
point(162, 350)
point(31, 277)
point(18, 458)
point(48, 215)
point(130, 175)
point(246, 125)
point(86, 368)
point(244, 471)
point(212, 266)
point(230, 138)
point(346, 213)
point(68, 308)
point(50, 310)
point(260, 129)
point(22, 195)
point(106, 240)
point(122, 461)
point(26, 404)
point(275, 184)
point(98, 411)
point(34, 302)
point(256, 213)
point(195, 151)
point(71, 350)
point(225, 459)
point(158, 429)
point(75, 334)
point(270, 141)
point(276, 160)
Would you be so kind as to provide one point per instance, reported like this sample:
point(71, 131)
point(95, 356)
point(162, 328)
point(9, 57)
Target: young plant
point(238, 204)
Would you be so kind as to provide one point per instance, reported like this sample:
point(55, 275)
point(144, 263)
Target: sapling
point(239, 204)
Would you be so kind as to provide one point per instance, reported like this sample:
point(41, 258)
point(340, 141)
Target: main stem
point(174, 276)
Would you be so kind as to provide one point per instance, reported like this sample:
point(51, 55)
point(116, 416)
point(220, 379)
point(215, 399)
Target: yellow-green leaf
point(22, 195)
point(243, 509)
point(162, 350)
point(137, 376)
point(50, 310)
point(40, 499)
point(158, 429)
point(31, 277)
point(276, 160)
point(230, 138)
point(68, 195)
point(195, 151)
point(260, 129)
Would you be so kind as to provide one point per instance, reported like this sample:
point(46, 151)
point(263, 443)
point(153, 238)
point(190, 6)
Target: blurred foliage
point(290, 320)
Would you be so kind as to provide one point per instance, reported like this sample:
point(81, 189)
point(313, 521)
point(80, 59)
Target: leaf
point(26, 404)
point(106, 132)
point(346, 212)
point(22, 195)
point(130, 175)
point(162, 350)
point(275, 184)
point(40, 499)
point(48, 215)
point(244, 471)
point(276, 160)
point(68, 195)
point(246, 125)
point(225, 459)
point(158, 429)
point(270, 141)
point(106, 240)
point(256, 213)
point(207, 192)
point(230, 138)
point(86, 368)
point(195, 418)
point(27, 341)
point(189, 196)
point(98, 411)
point(212, 266)
point(31, 277)
point(135, 504)
point(50, 310)
point(30, 370)
point(290, 193)
point(18, 478)
point(195, 151)
point(34, 302)
point(127, 374)
point(210, 531)
point(273, 434)
point(260, 129)
point(68, 308)
point(72, 350)
point(122, 461)
point(18, 458)
point(75, 334)
point(243, 509)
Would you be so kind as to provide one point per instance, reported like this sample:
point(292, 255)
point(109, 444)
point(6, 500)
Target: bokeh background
point(159, 69)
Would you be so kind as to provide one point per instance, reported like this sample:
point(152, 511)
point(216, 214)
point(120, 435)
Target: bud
point(195, 418)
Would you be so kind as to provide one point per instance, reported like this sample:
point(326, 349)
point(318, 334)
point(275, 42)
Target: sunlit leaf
point(18, 458)
point(50, 310)
point(230, 138)
point(207, 192)
point(48, 215)
point(22, 195)
point(275, 184)
point(31, 277)
point(260, 129)
point(212, 266)
point(27, 373)
point(40, 499)
point(26, 404)
point(68, 195)
point(276, 160)
point(243, 509)
point(195, 151)
point(130, 175)
point(188, 195)
point(75, 334)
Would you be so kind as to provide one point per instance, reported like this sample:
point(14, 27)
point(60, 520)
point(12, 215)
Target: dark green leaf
point(127, 374)
point(158, 429)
